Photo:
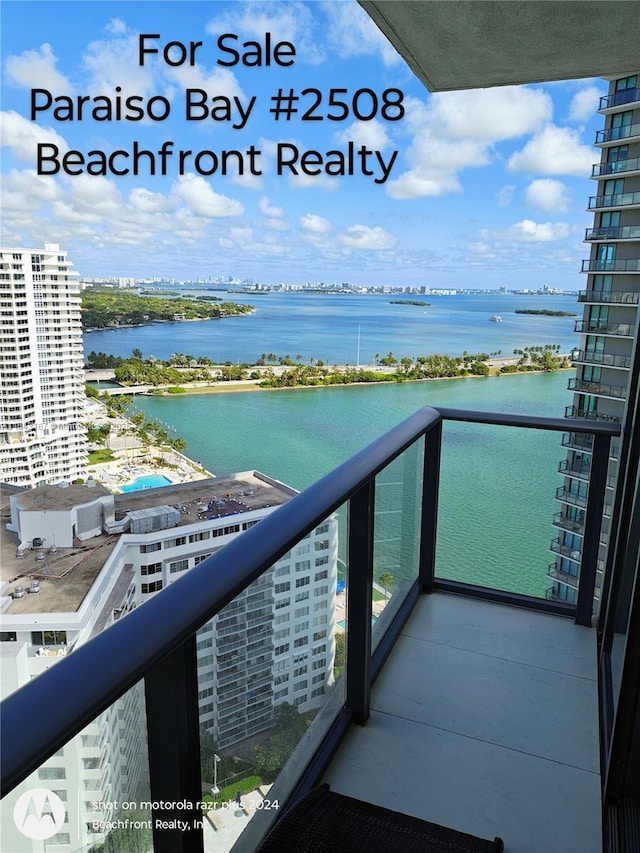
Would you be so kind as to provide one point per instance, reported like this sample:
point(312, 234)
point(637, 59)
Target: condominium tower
point(608, 328)
point(41, 365)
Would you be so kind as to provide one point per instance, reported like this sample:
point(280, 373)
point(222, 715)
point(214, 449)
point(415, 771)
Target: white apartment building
point(609, 326)
point(41, 367)
point(78, 558)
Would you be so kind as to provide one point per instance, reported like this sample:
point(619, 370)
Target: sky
point(480, 189)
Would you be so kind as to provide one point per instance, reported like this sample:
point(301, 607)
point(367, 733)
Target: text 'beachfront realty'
point(308, 104)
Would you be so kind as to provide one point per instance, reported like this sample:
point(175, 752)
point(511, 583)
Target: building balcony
point(455, 698)
point(626, 265)
point(626, 97)
point(575, 469)
point(570, 553)
point(601, 327)
point(619, 167)
point(621, 232)
point(625, 297)
point(576, 412)
point(611, 135)
point(565, 523)
point(563, 577)
point(604, 359)
point(600, 389)
point(608, 202)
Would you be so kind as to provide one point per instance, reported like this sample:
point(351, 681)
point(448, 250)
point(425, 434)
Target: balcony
point(601, 389)
point(575, 469)
point(608, 297)
point(453, 707)
point(566, 523)
point(605, 359)
point(616, 134)
point(607, 202)
point(618, 99)
point(570, 553)
point(619, 167)
point(622, 232)
point(626, 265)
point(563, 577)
point(601, 327)
point(576, 412)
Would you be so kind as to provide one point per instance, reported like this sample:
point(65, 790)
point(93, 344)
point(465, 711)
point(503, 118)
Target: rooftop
point(67, 574)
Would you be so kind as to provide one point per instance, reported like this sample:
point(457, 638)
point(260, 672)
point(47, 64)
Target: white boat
point(496, 318)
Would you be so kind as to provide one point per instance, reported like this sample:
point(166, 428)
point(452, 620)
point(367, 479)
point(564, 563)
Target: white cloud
point(490, 115)
point(268, 210)
point(529, 231)
point(554, 151)
point(241, 235)
point(201, 199)
point(505, 195)
point(23, 136)
point(372, 133)
point(147, 201)
point(549, 195)
point(291, 21)
point(314, 224)
point(353, 33)
point(116, 26)
point(585, 103)
point(363, 237)
point(114, 62)
point(36, 69)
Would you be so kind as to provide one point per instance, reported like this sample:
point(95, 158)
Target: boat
point(496, 318)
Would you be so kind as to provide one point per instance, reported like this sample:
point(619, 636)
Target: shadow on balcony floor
point(484, 719)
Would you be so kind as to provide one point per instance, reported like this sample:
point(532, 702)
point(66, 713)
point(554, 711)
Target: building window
point(281, 650)
point(46, 773)
point(302, 582)
point(283, 587)
point(178, 566)
point(151, 569)
point(49, 638)
point(174, 543)
point(156, 586)
point(151, 546)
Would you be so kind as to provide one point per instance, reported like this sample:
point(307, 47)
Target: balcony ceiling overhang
point(471, 44)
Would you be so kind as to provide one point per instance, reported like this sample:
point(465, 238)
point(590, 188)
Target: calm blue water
point(150, 481)
point(325, 326)
point(496, 500)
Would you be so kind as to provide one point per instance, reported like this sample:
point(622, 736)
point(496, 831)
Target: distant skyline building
point(42, 392)
point(78, 558)
point(609, 326)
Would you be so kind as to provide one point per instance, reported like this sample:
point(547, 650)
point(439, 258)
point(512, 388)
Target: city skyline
point(487, 187)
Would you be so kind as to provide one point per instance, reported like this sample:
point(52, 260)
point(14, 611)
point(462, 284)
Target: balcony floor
point(484, 719)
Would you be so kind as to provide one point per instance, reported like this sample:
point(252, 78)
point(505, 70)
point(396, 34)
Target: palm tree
point(386, 579)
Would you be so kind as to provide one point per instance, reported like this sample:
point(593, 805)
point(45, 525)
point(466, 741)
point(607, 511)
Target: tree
point(289, 727)
point(386, 579)
point(136, 353)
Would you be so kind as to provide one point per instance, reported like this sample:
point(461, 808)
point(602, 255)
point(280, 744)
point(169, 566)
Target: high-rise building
point(41, 362)
point(608, 328)
point(82, 558)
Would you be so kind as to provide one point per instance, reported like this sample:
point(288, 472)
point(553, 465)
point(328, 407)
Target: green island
point(410, 302)
point(272, 371)
point(545, 312)
point(106, 309)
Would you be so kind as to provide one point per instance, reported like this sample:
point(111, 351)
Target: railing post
point(592, 528)
point(359, 600)
point(171, 693)
point(429, 516)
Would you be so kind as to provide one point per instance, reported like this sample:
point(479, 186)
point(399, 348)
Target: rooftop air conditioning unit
point(36, 542)
point(34, 586)
point(18, 592)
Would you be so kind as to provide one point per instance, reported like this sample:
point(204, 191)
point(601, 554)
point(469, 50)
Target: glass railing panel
point(398, 501)
point(497, 490)
point(92, 795)
point(269, 688)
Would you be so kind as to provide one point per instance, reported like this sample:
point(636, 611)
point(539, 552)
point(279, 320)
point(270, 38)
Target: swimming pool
point(150, 481)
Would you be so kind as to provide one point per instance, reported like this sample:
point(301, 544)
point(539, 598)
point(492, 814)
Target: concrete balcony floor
point(484, 719)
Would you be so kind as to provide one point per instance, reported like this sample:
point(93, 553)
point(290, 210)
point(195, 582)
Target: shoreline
point(238, 385)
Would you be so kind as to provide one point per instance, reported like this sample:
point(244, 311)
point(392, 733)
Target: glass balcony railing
point(605, 359)
point(613, 134)
point(603, 389)
point(574, 525)
point(576, 412)
point(610, 297)
point(618, 167)
point(614, 200)
point(617, 99)
point(624, 265)
point(623, 232)
point(200, 757)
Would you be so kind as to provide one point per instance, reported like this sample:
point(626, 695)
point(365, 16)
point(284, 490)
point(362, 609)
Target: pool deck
point(132, 460)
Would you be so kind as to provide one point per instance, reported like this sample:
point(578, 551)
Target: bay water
point(497, 483)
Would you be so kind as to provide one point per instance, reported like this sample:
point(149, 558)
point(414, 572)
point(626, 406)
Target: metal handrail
point(95, 675)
